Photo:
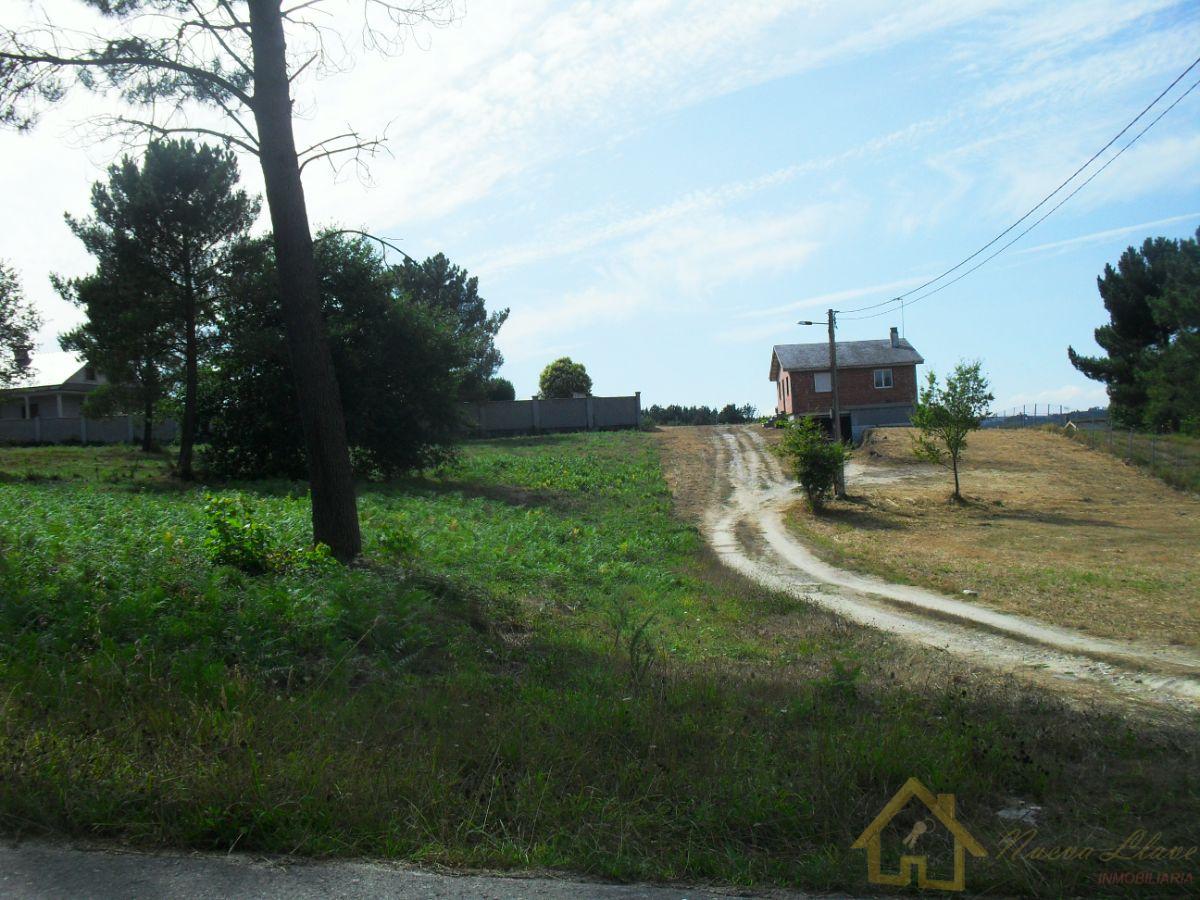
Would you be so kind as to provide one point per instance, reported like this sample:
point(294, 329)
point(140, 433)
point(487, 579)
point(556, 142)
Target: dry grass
point(690, 467)
point(1050, 529)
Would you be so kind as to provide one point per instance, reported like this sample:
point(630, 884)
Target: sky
point(660, 189)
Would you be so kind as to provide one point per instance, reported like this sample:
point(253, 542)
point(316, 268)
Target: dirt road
point(736, 490)
point(35, 870)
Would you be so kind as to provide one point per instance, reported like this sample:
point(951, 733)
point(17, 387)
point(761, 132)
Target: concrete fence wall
point(499, 417)
point(71, 429)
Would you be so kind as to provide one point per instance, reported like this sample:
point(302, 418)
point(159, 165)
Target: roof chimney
point(21, 356)
point(895, 336)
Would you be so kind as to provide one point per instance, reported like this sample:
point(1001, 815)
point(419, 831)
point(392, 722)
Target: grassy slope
point(1051, 529)
point(1175, 458)
point(489, 703)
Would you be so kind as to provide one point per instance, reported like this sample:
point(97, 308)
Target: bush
point(235, 537)
point(815, 460)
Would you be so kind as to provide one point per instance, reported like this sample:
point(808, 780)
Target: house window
point(89, 373)
point(30, 412)
point(822, 383)
point(883, 378)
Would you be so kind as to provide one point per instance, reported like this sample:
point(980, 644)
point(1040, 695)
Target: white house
point(57, 391)
point(48, 408)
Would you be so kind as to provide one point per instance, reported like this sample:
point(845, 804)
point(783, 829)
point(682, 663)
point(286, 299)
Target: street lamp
point(836, 411)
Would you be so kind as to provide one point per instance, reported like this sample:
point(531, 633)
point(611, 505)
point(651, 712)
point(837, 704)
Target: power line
point(1047, 214)
point(1048, 197)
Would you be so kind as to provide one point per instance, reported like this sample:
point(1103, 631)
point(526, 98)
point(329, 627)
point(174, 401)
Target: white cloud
point(571, 76)
point(529, 330)
point(832, 298)
point(679, 265)
point(1106, 234)
point(596, 227)
point(1064, 53)
point(1064, 25)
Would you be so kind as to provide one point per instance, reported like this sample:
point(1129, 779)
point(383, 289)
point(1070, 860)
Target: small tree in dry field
point(814, 459)
point(945, 416)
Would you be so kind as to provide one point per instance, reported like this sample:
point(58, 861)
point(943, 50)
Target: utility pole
point(840, 483)
point(835, 413)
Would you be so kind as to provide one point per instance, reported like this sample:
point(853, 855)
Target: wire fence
point(1174, 458)
point(1034, 414)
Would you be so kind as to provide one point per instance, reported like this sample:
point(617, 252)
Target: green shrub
point(398, 542)
point(236, 538)
point(815, 460)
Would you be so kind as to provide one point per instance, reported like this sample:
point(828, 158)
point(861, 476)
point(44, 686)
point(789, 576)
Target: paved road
point(41, 870)
point(744, 524)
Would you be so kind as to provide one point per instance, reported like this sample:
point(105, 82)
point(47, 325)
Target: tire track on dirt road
point(745, 526)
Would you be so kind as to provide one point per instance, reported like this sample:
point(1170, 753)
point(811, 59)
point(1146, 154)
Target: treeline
point(184, 316)
point(1151, 361)
point(729, 414)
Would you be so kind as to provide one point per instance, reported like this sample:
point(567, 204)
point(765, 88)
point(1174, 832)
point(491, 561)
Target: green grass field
point(536, 664)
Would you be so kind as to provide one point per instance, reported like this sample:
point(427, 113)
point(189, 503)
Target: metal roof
point(850, 355)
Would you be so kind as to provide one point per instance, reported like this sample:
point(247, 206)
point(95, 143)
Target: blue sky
point(661, 189)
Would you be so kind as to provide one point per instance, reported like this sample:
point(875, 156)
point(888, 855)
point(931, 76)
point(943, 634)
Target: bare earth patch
point(1050, 529)
point(691, 469)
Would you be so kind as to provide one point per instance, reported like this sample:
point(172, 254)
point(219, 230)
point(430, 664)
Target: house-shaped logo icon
point(942, 807)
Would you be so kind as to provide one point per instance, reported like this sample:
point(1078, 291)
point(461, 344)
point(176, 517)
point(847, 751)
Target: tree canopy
point(674, 414)
point(128, 336)
point(162, 232)
point(445, 288)
point(564, 378)
point(499, 389)
point(1151, 343)
point(400, 366)
point(19, 322)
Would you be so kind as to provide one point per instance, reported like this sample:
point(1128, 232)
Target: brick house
point(877, 382)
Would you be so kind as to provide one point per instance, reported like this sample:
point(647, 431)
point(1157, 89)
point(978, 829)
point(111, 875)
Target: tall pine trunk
point(149, 380)
point(148, 425)
point(335, 511)
point(187, 432)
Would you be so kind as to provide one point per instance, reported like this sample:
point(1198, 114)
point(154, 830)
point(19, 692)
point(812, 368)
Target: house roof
point(53, 369)
point(850, 355)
